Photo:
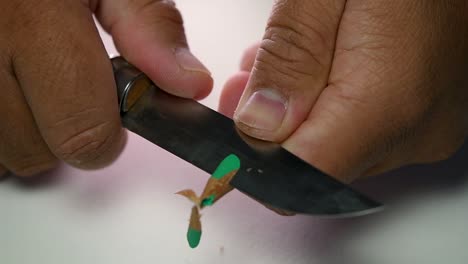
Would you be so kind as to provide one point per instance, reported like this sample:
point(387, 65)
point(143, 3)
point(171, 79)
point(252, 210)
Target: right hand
point(357, 87)
point(58, 98)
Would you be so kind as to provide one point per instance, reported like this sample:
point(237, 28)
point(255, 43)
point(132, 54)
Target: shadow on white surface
point(127, 201)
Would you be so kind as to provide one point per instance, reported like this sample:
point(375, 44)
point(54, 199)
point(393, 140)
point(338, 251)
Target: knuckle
point(88, 144)
point(291, 53)
point(297, 43)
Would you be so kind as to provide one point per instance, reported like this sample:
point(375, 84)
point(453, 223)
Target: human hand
point(357, 88)
point(58, 98)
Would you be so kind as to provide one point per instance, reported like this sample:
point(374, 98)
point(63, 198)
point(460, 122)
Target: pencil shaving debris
point(216, 187)
point(191, 195)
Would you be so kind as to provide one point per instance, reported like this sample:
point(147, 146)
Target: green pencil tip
point(193, 237)
point(230, 163)
point(208, 201)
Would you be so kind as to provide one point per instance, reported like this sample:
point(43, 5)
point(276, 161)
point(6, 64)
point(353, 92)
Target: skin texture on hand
point(58, 97)
point(356, 87)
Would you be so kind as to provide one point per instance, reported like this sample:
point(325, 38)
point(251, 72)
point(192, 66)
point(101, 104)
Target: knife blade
point(203, 137)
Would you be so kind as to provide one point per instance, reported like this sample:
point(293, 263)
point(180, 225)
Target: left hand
point(58, 99)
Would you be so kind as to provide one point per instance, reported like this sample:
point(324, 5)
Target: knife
point(203, 137)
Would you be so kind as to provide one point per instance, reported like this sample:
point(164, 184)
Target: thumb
point(150, 35)
point(291, 67)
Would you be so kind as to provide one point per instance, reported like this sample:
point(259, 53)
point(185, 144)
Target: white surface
point(128, 213)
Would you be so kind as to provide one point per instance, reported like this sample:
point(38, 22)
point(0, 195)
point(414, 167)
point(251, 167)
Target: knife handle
point(131, 83)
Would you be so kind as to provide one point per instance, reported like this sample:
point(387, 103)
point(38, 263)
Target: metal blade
point(268, 173)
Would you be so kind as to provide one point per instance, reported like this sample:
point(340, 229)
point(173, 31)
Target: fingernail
point(189, 62)
point(264, 110)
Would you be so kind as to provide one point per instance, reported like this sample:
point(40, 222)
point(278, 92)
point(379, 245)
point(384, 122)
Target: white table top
point(128, 213)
